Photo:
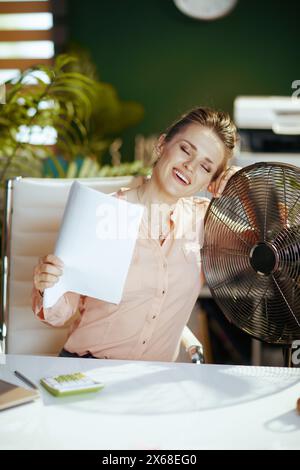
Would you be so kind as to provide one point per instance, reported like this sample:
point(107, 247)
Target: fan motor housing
point(264, 258)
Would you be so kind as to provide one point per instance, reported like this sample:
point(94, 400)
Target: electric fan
point(251, 252)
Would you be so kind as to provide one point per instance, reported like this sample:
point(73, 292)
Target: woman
point(165, 277)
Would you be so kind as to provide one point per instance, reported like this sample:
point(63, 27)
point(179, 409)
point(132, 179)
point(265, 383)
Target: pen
point(25, 380)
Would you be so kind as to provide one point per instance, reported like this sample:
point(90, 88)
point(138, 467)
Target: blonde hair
point(219, 121)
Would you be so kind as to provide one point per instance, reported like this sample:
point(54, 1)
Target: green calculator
point(71, 384)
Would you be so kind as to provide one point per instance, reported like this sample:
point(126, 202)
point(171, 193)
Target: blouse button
point(163, 292)
point(144, 342)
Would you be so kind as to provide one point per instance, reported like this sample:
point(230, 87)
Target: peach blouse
point(160, 291)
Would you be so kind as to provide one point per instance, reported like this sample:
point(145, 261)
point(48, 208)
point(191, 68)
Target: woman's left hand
point(218, 186)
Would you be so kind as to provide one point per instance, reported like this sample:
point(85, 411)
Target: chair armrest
point(193, 346)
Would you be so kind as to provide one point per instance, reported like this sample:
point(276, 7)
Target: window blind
point(27, 35)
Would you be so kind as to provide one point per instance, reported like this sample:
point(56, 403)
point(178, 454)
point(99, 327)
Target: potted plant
point(62, 124)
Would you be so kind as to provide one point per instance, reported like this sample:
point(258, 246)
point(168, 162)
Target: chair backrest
point(33, 212)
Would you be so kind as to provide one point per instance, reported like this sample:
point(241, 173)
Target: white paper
point(96, 243)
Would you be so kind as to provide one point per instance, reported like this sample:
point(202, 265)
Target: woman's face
point(188, 161)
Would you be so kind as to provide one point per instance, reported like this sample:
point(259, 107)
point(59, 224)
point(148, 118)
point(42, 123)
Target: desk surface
point(155, 405)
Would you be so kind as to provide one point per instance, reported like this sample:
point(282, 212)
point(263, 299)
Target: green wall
point(155, 55)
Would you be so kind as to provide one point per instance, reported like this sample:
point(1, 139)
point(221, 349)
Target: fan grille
point(251, 251)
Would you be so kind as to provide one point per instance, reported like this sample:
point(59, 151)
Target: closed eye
point(207, 169)
point(185, 149)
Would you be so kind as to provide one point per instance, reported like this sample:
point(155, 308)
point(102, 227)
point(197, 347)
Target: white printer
point(269, 128)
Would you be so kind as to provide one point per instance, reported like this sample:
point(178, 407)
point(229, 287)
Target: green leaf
point(62, 60)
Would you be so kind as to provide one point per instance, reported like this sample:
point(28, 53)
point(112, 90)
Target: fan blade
point(290, 297)
point(251, 206)
point(274, 217)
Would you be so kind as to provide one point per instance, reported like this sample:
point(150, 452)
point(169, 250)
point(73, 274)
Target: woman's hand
point(47, 272)
point(218, 186)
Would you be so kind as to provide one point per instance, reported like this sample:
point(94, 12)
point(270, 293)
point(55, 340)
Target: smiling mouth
point(180, 177)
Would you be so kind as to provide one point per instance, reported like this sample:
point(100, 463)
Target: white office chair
point(33, 212)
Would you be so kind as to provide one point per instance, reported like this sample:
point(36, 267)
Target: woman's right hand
point(47, 272)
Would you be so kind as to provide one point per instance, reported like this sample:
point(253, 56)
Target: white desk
point(151, 405)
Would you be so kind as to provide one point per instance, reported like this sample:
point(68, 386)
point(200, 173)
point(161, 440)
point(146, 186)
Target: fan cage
point(251, 251)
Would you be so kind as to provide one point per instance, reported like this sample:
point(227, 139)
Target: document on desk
point(96, 241)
